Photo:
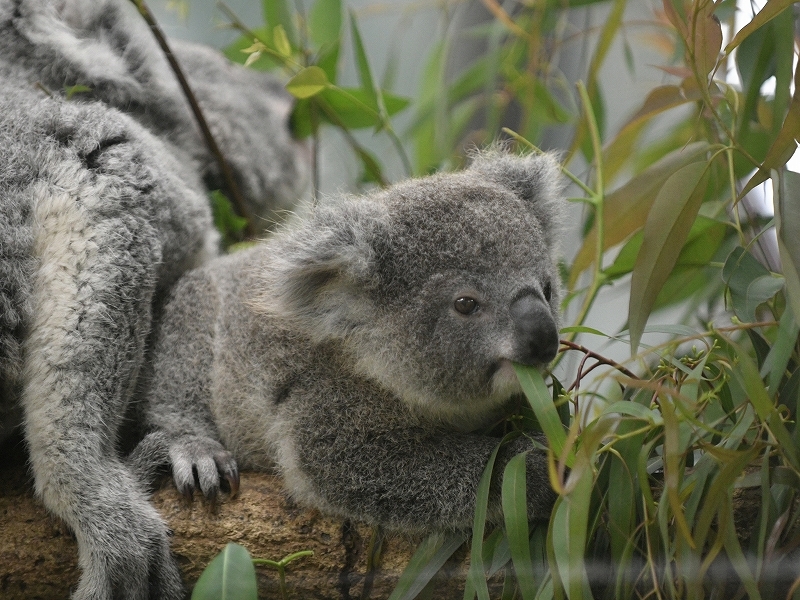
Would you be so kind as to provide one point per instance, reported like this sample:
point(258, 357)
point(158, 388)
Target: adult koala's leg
point(108, 213)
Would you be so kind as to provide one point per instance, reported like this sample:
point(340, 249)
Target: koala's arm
point(357, 463)
point(176, 412)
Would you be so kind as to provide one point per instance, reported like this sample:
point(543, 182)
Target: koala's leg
point(97, 256)
point(182, 431)
point(363, 461)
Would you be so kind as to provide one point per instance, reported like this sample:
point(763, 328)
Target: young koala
point(103, 205)
point(359, 348)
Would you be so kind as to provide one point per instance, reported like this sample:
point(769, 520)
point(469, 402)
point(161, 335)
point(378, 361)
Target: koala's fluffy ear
point(320, 269)
point(535, 178)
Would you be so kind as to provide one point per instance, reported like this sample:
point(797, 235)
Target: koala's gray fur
point(335, 351)
point(102, 207)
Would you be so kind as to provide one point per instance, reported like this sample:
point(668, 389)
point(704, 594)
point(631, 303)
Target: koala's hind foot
point(197, 461)
point(123, 543)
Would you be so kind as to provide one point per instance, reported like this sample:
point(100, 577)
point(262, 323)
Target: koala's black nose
point(535, 329)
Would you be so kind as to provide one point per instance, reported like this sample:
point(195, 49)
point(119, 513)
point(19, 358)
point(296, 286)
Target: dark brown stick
point(230, 182)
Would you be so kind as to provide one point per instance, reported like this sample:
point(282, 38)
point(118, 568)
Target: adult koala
point(102, 206)
point(359, 348)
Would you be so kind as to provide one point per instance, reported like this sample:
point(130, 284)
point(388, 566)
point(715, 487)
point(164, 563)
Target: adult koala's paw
point(124, 545)
point(200, 461)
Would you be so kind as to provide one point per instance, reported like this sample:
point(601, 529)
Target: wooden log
point(38, 555)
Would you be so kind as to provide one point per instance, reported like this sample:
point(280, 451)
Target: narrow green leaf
point(747, 376)
point(774, 367)
point(515, 512)
point(665, 232)
point(362, 62)
point(307, 83)
point(584, 329)
point(356, 109)
point(749, 282)
point(230, 576)
point(476, 577)
point(630, 204)
point(539, 398)
point(278, 12)
point(430, 556)
point(570, 520)
point(325, 31)
point(786, 199)
point(281, 42)
point(631, 409)
point(771, 10)
point(325, 22)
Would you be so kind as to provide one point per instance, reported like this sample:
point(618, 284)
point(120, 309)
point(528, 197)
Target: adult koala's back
point(103, 205)
point(359, 347)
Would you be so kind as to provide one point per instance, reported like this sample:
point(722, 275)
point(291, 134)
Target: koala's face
point(467, 286)
point(434, 286)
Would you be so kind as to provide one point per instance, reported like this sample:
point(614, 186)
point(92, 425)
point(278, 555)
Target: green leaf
point(637, 411)
point(745, 374)
point(749, 282)
point(771, 10)
point(515, 513)
point(278, 12)
point(430, 556)
point(546, 413)
point(777, 360)
point(630, 204)
point(476, 579)
point(235, 52)
point(227, 222)
point(281, 42)
point(71, 90)
point(665, 232)
point(786, 198)
point(584, 329)
point(661, 99)
point(230, 576)
point(362, 62)
point(307, 83)
point(356, 109)
point(325, 30)
point(325, 22)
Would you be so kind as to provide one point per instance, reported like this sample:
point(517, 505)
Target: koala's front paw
point(201, 461)
point(124, 546)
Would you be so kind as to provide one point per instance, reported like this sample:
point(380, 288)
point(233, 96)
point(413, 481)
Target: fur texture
point(359, 348)
point(102, 207)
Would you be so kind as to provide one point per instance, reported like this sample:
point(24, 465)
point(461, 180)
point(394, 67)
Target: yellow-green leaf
point(630, 204)
point(666, 230)
point(307, 83)
point(281, 41)
point(771, 10)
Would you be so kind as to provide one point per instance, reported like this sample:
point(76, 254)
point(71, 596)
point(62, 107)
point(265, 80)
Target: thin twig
point(598, 357)
point(227, 174)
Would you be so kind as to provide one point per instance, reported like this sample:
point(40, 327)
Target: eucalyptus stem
point(597, 200)
point(227, 174)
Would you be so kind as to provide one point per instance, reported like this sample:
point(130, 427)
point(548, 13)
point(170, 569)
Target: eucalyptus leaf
point(307, 83)
point(666, 229)
point(230, 576)
point(515, 512)
point(750, 283)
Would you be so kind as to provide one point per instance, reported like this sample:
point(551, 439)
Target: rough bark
point(38, 555)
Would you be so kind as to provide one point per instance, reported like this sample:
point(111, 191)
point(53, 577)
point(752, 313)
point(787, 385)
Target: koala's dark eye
point(465, 305)
point(548, 291)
